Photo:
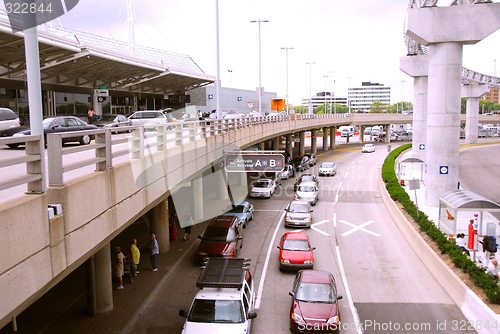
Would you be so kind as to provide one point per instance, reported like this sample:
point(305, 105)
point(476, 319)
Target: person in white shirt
point(492, 268)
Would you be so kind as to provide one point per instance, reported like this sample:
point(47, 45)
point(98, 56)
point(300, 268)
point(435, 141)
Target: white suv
point(226, 299)
point(8, 119)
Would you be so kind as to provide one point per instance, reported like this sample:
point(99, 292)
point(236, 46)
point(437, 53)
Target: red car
point(315, 306)
point(296, 251)
point(222, 238)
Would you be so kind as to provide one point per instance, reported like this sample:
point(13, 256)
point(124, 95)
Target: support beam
point(314, 148)
point(325, 139)
point(473, 93)
point(333, 136)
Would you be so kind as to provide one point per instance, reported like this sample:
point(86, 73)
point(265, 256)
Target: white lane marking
point(335, 220)
point(266, 263)
point(336, 198)
point(313, 226)
point(354, 311)
point(360, 227)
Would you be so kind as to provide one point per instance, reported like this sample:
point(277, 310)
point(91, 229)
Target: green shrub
point(397, 193)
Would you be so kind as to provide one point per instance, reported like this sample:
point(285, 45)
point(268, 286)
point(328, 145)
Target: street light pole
point(217, 78)
point(331, 78)
point(349, 94)
point(402, 96)
point(325, 76)
point(309, 111)
point(287, 48)
point(260, 87)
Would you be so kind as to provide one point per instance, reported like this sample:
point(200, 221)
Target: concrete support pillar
point(472, 120)
point(333, 136)
point(362, 133)
point(158, 220)
point(418, 68)
point(103, 279)
point(473, 93)
point(314, 148)
point(289, 147)
point(262, 146)
point(96, 105)
point(276, 144)
point(198, 199)
point(325, 139)
point(443, 120)
point(445, 30)
point(302, 144)
point(222, 186)
point(387, 129)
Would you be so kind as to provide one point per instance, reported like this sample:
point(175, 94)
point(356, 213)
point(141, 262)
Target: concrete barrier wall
point(473, 308)
point(98, 206)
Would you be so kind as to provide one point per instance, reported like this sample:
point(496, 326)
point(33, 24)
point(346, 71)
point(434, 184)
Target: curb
point(473, 308)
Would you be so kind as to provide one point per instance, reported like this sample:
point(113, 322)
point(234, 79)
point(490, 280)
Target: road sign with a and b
point(414, 184)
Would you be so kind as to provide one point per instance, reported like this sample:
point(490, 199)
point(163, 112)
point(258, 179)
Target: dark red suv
point(222, 238)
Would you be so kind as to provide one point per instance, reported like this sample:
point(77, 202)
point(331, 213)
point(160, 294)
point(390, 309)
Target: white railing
point(106, 148)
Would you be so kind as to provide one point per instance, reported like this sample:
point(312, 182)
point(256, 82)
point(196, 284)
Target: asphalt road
point(380, 277)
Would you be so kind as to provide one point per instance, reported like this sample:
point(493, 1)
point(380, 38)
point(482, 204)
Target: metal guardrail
point(141, 140)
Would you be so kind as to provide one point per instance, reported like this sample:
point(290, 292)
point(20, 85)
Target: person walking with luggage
point(119, 267)
point(155, 250)
point(136, 255)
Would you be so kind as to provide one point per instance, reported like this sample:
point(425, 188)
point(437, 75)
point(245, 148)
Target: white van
point(225, 302)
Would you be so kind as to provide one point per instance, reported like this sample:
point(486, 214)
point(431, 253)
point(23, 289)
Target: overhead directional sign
point(101, 91)
point(255, 162)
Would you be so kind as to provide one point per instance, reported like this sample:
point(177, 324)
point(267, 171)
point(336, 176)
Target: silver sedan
point(327, 168)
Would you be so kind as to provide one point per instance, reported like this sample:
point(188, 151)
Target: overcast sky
point(362, 39)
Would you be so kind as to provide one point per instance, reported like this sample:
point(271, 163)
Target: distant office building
point(362, 97)
point(240, 100)
point(492, 96)
point(321, 97)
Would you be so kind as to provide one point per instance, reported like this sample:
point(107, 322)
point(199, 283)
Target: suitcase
point(173, 232)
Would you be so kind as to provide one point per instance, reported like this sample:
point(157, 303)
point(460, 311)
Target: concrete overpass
point(96, 207)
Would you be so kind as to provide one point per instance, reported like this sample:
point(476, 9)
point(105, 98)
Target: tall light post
point(287, 48)
point(326, 77)
point(349, 94)
point(331, 99)
point(217, 65)
point(230, 72)
point(309, 111)
point(260, 87)
point(402, 96)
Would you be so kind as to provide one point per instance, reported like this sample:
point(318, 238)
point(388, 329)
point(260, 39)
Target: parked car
point(55, 125)
point(305, 178)
point(368, 148)
point(314, 302)
point(148, 118)
point(327, 168)
point(243, 210)
point(296, 251)
point(223, 237)
point(298, 213)
point(8, 119)
point(234, 114)
point(307, 191)
point(114, 122)
point(275, 176)
point(263, 188)
point(312, 158)
point(300, 163)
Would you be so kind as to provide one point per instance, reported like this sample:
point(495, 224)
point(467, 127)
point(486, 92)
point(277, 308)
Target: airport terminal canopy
point(78, 59)
point(457, 207)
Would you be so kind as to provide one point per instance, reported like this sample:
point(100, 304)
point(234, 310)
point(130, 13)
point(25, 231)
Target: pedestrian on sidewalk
point(188, 222)
point(492, 268)
point(155, 250)
point(90, 116)
point(136, 255)
point(119, 267)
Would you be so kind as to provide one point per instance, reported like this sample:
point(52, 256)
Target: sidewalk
point(129, 302)
point(418, 196)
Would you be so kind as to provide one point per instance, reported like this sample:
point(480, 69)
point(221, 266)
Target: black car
point(113, 121)
point(54, 125)
point(300, 163)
